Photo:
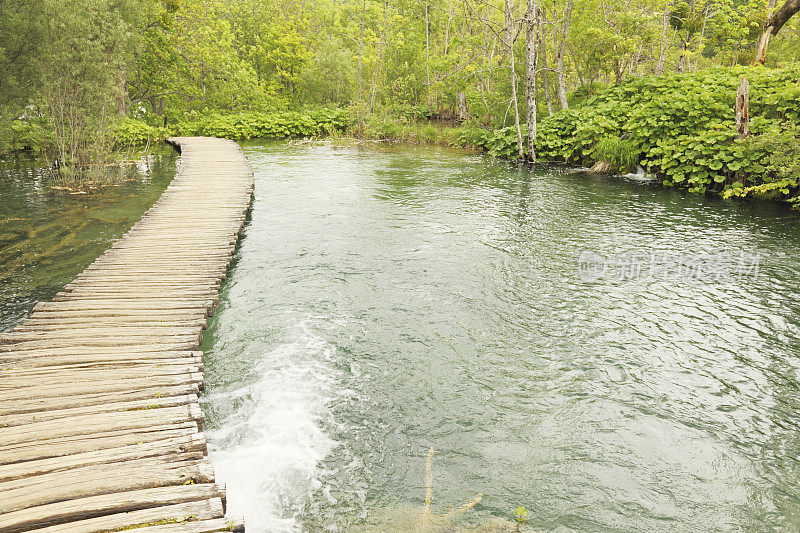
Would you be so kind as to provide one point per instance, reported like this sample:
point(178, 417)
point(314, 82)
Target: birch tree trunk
point(683, 60)
point(376, 75)
point(510, 38)
point(774, 23)
point(662, 51)
point(360, 69)
point(706, 14)
point(562, 46)
point(545, 70)
point(633, 66)
point(532, 19)
point(428, 54)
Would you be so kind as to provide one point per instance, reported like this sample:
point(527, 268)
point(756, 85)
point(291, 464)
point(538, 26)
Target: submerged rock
point(601, 167)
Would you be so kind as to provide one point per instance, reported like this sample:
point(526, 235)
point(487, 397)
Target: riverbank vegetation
point(682, 129)
point(648, 82)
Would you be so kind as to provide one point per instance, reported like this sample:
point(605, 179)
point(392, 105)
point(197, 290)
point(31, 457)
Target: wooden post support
point(743, 109)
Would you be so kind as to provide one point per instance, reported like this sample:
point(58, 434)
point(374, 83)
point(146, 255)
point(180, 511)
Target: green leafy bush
point(289, 124)
point(31, 135)
point(779, 152)
point(239, 126)
point(503, 142)
point(477, 137)
point(682, 128)
point(130, 132)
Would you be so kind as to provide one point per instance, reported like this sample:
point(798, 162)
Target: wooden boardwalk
point(99, 416)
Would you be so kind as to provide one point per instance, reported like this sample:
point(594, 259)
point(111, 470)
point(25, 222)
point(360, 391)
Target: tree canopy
point(80, 66)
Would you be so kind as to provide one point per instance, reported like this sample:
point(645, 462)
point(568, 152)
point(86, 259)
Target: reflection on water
point(388, 300)
point(49, 236)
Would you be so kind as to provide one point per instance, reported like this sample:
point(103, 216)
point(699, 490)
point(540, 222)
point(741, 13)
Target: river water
point(612, 355)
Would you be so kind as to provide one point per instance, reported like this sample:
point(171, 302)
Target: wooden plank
point(102, 368)
point(124, 357)
point(124, 323)
point(30, 451)
point(148, 304)
point(55, 402)
point(27, 376)
point(117, 313)
point(178, 342)
point(97, 422)
point(42, 415)
point(30, 359)
point(109, 333)
point(108, 504)
point(82, 388)
point(190, 511)
point(136, 474)
point(125, 366)
point(173, 446)
point(202, 526)
point(110, 282)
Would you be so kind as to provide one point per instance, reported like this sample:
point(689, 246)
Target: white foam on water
point(268, 450)
point(639, 175)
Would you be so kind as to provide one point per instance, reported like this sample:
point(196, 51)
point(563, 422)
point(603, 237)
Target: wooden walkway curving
point(99, 416)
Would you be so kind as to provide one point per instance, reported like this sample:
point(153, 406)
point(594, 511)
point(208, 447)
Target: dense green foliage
point(251, 125)
point(681, 128)
point(31, 134)
point(778, 150)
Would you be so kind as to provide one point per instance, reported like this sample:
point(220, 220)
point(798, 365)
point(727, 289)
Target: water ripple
point(388, 300)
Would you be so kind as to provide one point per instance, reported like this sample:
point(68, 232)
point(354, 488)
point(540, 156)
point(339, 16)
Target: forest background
point(618, 80)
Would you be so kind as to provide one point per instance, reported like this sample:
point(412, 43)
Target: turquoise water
point(48, 236)
point(610, 354)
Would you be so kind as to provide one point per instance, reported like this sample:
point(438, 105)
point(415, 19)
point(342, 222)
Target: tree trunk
point(633, 66)
point(742, 109)
point(562, 80)
point(483, 96)
point(427, 54)
point(360, 69)
point(619, 70)
point(376, 74)
point(706, 13)
point(463, 111)
point(773, 25)
point(763, 40)
point(510, 37)
point(545, 70)
point(532, 18)
point(662, 52)
point(684, 59)
point(763, 44)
